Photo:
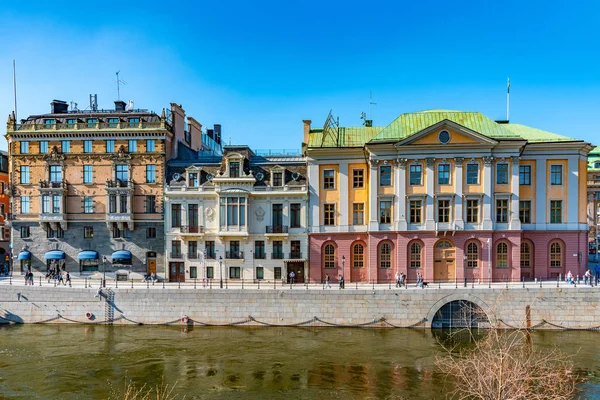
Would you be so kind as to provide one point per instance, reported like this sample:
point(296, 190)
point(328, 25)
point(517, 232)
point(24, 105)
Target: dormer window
point(113, 122)
point(49, 123)
point(234, 169)
point(193, 179)
point(134, 122)
point(92, 122)
point(277, 179)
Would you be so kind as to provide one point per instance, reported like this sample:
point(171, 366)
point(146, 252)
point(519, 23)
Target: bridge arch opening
point(460, 314)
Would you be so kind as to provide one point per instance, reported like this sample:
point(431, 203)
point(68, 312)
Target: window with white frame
point(328, 179)
point(502, 210)
point(502, 174)
point(416, 207)
point(385, 175)
point(472, 173)
point(415, 174)
point(443, 210)
point(233, 212)
point(556, 175)
point(444, 174)
point(385, 211)
point(472, 211)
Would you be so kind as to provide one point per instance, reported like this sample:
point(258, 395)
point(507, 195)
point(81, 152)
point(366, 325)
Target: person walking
point(402, 279)
point(570, 278)
point(292, 275)
point(68, 279)
point(397, 279)
point(587, 277)
point(341, 281)
point(327, 285)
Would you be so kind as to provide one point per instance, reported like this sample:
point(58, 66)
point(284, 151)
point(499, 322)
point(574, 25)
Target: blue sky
point(259, 68)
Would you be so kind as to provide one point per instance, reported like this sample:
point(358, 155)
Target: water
point(79, 362)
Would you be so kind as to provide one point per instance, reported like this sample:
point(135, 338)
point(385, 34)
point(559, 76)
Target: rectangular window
point(87, 146)
point(277, 179)
point(385, 175)
point(472, 211)
point(92, 122)
point(88, 175)
point(24, 204)
point(116, 232)
point(24, 147)
point(193, 178)
point(234, 249)
point(415, 174)
point(193, 272)
point(556, 211)
point(259, 249)
point(45, 204)
point(295, 252)
point(175, 215)
point(56, 204)
point(502, 174)
point(88, 232)
point(277, 250)
point(358, 213)
point(49, 122)
point(150, 173)
point(277, 273)
point(176, 248)
point(24, 232)
point(150, 232)
point(556, 177)
point(113, 122)
point(110, 146)
point(329, 214)
point(415, 211)
point(134, 122)
point(43, 147)
point(150, 145)
point(443, 174)
point(123, 203)
point(88, 205)
point(502, 210)
point(295, 209)
point(71, 123)
point(358, 178)
point(132, 146)
point(66, 146)
point(472, 174)
point(150, 203)
point(112, 203)
point(56, 173)
point(193, 249)
point(234, 272)
point(24, 174)
point(525, 211)
point(524, 174)
point(328, 179)
point(122, 173)
point(260, 273)
point(444, 211)
point(385, 212)
point(209, 249)
point(234, 169)
point(233, 212)
point(210, 272)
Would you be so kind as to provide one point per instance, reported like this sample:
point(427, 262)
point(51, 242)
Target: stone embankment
point(542, 308)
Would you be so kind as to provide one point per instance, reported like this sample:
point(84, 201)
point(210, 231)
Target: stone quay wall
point(543, 308)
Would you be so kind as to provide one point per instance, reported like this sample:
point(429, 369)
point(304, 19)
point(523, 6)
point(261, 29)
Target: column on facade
point(429, 210)
point(515, 222)
point(572, 181)
point(343, 191)
point(373, 179)
point(540, 193)
point(487, 193)
point(400, 203)
point(313, 210)
point(459, 220)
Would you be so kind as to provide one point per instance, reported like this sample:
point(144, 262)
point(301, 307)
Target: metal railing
point(192, 229)
point(276, 229)
point(176, 254)
point(295, 255)
point(260, 256)
point(234, 255)
point(53, 185)
point(277, 256)
point(117, 183)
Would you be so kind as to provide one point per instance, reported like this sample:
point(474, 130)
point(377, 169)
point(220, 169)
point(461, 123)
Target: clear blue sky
point(259, 68)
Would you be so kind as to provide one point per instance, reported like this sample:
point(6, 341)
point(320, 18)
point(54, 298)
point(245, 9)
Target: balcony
point(122, 219)
point(54, 187)
point(119, 184)
point(260, 256)
point(277, 256)
point(277, 229)
point(295, 255)
point(193, 230)
point(211, 256)
point(86, 126)
point(234, 255)
point(54, 220)
point(194, 255)
point(176, 255)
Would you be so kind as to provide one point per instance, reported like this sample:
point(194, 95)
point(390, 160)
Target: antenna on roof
point(15, 87)
point(371, 105)
point(508, 100)
point(119, 81)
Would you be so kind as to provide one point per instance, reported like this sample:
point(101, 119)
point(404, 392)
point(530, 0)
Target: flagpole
point(15, 88)
point(508, 101)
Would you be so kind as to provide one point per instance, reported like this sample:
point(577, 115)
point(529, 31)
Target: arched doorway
point(444, 261)
point(460, 314)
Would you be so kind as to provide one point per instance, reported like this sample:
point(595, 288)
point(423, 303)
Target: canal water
point(83, 362)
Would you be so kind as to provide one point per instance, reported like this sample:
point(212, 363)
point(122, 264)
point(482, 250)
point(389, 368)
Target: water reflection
point(77, 362)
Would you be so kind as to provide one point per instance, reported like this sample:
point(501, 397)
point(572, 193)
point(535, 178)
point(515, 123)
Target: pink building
point(447, 194)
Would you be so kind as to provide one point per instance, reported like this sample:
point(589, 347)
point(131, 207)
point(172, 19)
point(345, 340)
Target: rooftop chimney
point(120, 105)
point(59, 107)
point(210, 133)
point(218, 133)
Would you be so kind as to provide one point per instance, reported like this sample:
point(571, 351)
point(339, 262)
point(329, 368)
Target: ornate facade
point(594, 201)
point(236, 216)
point(450, 195)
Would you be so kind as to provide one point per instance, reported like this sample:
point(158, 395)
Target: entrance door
point(298, 268)
point(176, 272)
point(152, 265)
point(443, 268)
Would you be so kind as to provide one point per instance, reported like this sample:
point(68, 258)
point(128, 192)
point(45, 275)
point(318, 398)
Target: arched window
point(415, 255)
point(555, 255)
point(358, 256)
point(472, 255)
point(443, 244)
point(385, 256)
point(502, 255)
point(525, 255)
point(329, 255)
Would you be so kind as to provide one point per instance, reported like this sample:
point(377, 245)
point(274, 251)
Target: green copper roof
point(408, 124)
point(536, 135)
point(348, 137)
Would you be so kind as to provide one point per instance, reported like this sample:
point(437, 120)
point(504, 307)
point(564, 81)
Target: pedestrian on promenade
point(587, 277)
point(419, 280)
point(27, 276)
point(68, 279)
point(402, 279)
point(341, 281)
point(292, 275)
point(397, 279)
point(570, 278)
point(327, 281)
point(597, 272)
point(59, 278)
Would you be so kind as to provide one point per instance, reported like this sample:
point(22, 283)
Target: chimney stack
point(120, 105)
point(218, 133)
point(59, 107)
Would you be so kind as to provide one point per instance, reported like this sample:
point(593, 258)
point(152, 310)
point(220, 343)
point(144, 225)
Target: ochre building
point(450, 195)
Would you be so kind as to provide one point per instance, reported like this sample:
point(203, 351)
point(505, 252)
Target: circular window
point(260, 176)
point(444, 137)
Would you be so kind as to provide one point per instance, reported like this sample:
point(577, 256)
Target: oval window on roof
point(444, 137)
point(597, 165)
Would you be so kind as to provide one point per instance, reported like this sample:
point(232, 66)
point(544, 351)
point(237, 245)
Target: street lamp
point(221, 271)
point(104, 270)
point(465, 267)
point(343, 263)
point(489, 243)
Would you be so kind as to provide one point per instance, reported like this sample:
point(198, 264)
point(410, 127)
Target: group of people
point(28, 277)
point(57, 275)
point(400, 279)
point(340, 280)
point(588, 277)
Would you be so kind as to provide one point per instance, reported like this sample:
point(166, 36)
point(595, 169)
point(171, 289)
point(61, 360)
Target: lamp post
point(465, 268)
point(104, 271)
point(343, 264)
point(221, 271)
point(489, 243)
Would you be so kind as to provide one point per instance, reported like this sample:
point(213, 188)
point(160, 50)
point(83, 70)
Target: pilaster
point(429, 211)
point(515, 222)
point(488, 193)
point(458, 185)
point(400, 201)
point(373, 179)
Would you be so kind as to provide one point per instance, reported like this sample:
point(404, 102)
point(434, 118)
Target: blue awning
point(121, 256)
point(55, 255)
point(88, 255)
point(24, 255)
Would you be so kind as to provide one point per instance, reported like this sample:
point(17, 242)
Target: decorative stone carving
point(55, 157)
point(373, 162)
point(401, 162)
point(260, 213)
point(121, 156)
point(459, 160)
point(210, 214)
point(430, 161)
point(487, 161)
